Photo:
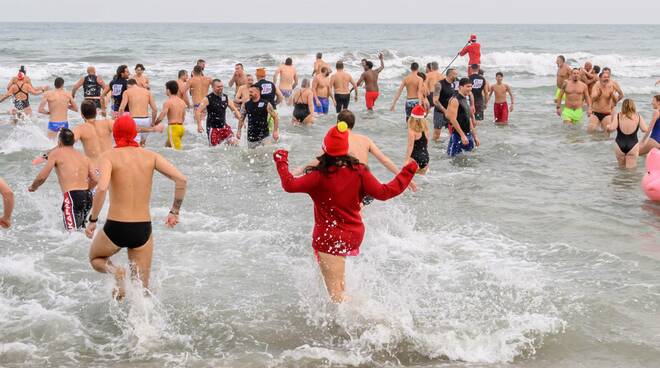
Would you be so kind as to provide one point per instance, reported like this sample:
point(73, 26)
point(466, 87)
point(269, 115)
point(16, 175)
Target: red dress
point(338, 228)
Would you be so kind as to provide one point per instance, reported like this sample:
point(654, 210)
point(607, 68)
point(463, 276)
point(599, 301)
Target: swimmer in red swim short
point(337, 185)
point(370, 80)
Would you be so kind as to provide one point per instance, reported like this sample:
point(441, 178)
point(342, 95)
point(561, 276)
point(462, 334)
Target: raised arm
point(291, 184)
point(180, 184)
point(383, 192)
point(382, 63)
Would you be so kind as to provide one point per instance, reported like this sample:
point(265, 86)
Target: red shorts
point(219, 135)
point(501, 111)
point(370, 98)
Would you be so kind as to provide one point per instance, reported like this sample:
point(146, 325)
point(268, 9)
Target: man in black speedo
point(216, 104)
point(257, 110)
point(93, 86)
point(444, 90)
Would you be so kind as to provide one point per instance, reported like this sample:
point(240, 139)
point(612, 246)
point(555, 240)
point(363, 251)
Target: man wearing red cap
point(473, 49)
point(337, 185)
point(128, 171)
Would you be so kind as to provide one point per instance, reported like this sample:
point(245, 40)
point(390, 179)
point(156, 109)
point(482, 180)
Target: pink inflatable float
point(651, 182)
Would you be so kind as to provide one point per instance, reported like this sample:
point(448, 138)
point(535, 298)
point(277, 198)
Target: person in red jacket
point(473, 49)
point(337, 186)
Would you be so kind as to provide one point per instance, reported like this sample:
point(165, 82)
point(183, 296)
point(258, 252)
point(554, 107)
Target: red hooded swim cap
point(125, 132)
point(335, 142)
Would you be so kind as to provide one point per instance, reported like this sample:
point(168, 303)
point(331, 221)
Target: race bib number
point(266, 89)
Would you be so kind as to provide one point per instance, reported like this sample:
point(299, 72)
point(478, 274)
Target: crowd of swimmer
point(594, 88)
point(337, 181)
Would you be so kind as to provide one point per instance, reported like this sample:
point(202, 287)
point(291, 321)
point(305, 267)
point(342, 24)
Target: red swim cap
point(335, 142)
point(20, 76)
point(124, 130)
point(418, 112)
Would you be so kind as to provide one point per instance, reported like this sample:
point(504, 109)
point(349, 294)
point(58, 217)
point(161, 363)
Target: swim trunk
point(286, 92)
point(127, 234)
point(97, 102)
point(323, 107)
point(75, 208)
point(56, 126)
point(21, 104)
point(175, 134)
point(219, 135)
point(455, 145)
point(370, 99)
point(501, 111)
point(601, 115)
point(342, 101)
point(557, 95)
point(573, 115)
point(410, 105)
point(143, 123)
point(439, 120)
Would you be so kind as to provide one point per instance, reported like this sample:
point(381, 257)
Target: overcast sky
point(335, 11)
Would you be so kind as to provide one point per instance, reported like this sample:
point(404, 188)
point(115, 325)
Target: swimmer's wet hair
point(305, 83)
point(369, 64)
point(657, 98)
point(319, 55)
point(499, 74)
point(182, 72)
point(88, 109)
point(59, 82)
point(216, 80)
point(414, 66)
point(66, 137)
point(474, 67)
point(288, 61)
point(434, 65)
point(562, 58)
point(139, 66)
point(172, 86)
point(131, 82)
point(197, 70)
point(347, 117)
point(450, 70)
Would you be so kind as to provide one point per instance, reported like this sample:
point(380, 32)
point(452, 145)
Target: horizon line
point(319, 23)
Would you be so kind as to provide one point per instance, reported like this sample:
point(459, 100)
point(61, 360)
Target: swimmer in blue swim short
point(59, 102)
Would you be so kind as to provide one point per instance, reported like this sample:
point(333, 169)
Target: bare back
point(72, 168)
point(287, 74)
point(412, 83)
point(341, 82)
point(131, 176)
point(58, 104)
point(199, 88)
point(563, 74)
point(176, 112)
point(138, 101)
point(358, 147)
point(96, 138)
point(370, 78)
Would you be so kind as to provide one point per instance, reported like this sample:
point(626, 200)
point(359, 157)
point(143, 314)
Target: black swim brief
point(127, 234)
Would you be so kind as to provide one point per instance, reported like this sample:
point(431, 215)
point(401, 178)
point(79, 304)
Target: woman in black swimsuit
point(303, 105)
point(418, 133)
point(21, 90)
point(627, 144)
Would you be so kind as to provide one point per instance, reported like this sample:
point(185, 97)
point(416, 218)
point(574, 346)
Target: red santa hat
point(335, 142)
point(418, 112)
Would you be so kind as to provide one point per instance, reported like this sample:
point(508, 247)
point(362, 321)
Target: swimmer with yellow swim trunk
point(175, 110)
point(576, 93)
